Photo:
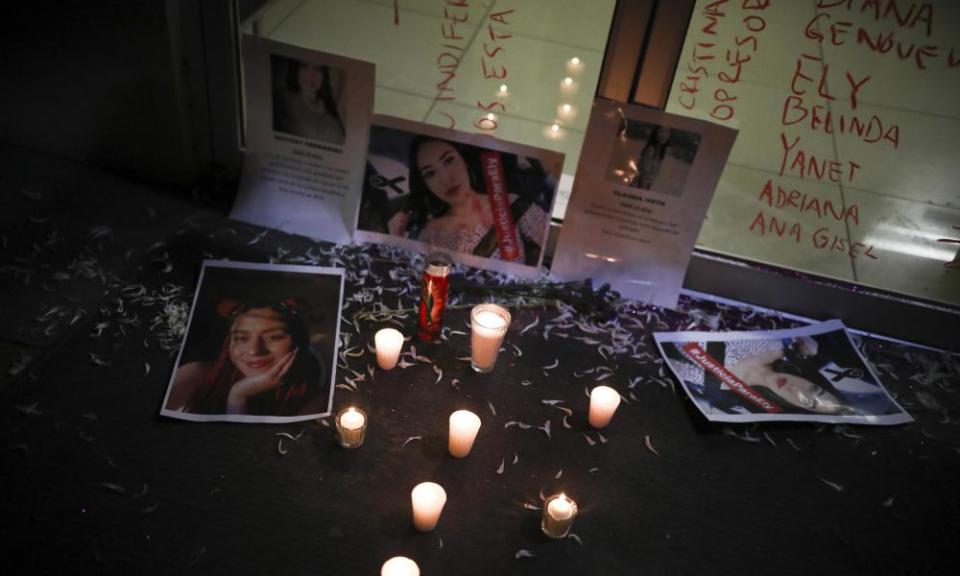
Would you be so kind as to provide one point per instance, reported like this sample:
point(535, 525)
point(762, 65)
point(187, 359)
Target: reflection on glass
point(509, 69)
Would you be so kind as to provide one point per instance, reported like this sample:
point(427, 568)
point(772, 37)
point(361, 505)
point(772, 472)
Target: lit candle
point(464, 426)
point(488, 323)
point(603, 403)
point(388, 342)
point(503, 89)
point(575, 61)
point(555, 128)
point(400, 566)
point(568, 81)
point(428, 499)
point(559, 512)
point(351, 427)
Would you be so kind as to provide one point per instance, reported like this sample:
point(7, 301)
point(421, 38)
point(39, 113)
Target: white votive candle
point(559, 512)
point(400, 566)
point(603, 403)
point(464, 426)
point(351, 427)
point(428, 499)
point(488, 323)
point(388, 341)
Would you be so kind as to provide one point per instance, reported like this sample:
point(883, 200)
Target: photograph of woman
point(265, 356)
point(811, 373)
point(439, 196)
point(653, 157)
point(305, 100)
point(648, 165)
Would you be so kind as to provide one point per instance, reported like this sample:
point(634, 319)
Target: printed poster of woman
point(260, 345)
point(484, 201)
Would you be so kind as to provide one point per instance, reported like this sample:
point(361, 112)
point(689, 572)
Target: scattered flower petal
point(115, 488)
point(833, 485)
point(30, 410)
point(522, 553)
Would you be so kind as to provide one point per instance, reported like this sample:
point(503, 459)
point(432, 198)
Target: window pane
point(846, 162)
point(523, 70)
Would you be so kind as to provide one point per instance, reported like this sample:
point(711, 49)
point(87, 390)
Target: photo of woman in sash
point(450, 206)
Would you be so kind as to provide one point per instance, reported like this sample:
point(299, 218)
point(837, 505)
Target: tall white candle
point(464, 426)
point(428, 499)
point(400, 566)
point(488, 323)
point(603, 403)
point(388, 341)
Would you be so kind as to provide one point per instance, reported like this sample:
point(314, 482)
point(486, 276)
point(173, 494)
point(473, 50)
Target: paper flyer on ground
point(307, 120)
point(643, 185)
point(260, 345)
point(813, 374)
point(484, 201)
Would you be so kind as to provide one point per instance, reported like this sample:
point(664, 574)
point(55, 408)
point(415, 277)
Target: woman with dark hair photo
point(651, 157)
point(304, 103)
point(265, 366)
point(450, 208)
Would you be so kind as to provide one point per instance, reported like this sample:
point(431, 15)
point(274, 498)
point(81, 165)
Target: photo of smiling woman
point(259, 346)
point(306, 100)
point(438, 192)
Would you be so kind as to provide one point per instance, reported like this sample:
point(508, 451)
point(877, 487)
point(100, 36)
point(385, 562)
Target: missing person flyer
point(643, 185)
point(307, 119)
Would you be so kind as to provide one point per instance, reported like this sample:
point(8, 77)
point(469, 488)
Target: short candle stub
point(351, 427)
point(464, 426)
point(400, 566)
point(427, 499)
point(388, 342)
point(559, 512)
point(604, 401)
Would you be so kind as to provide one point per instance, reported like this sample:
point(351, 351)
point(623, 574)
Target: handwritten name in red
point(699, 66)
point(767, 224)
